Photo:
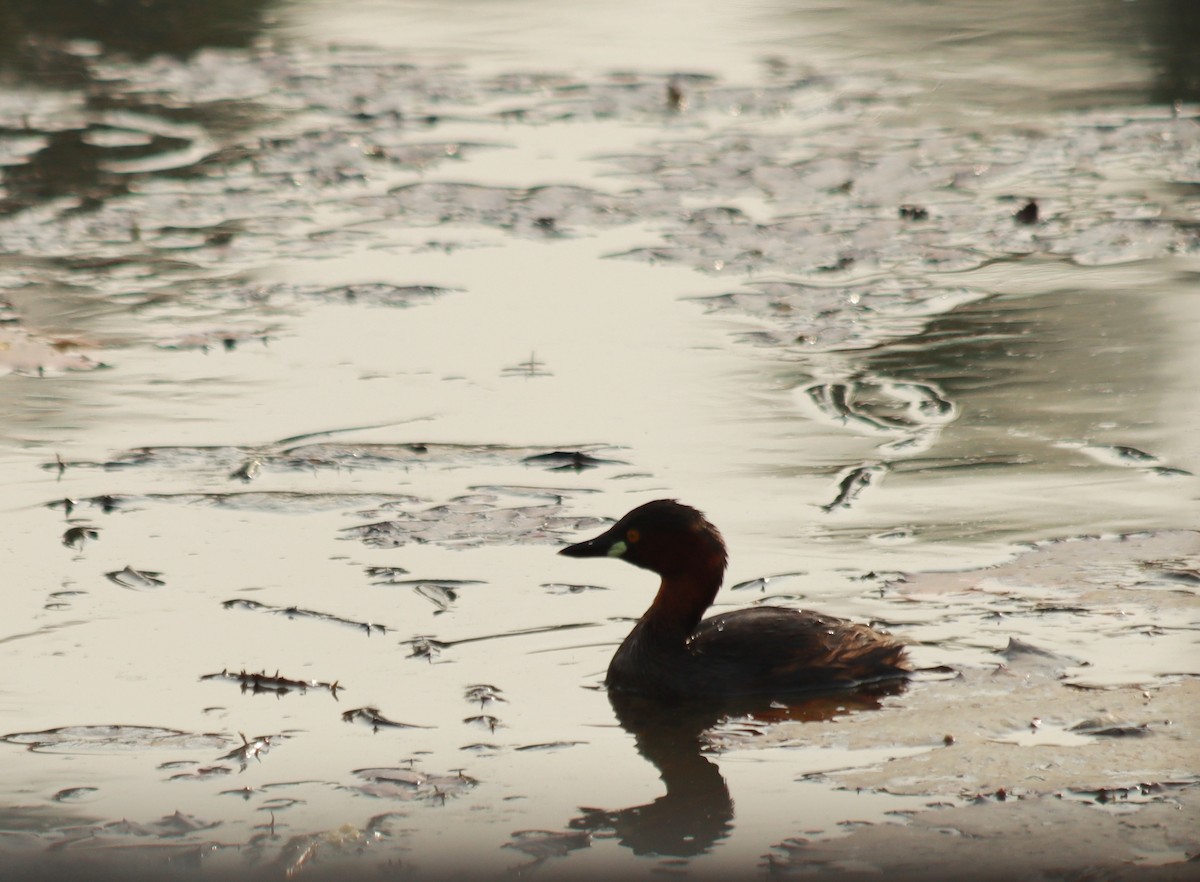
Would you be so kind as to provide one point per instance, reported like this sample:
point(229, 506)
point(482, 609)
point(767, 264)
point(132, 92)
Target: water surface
point(323, 325)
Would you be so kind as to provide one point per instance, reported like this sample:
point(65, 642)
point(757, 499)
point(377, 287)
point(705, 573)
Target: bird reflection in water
point(696, 812)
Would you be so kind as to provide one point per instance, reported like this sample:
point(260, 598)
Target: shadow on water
point(985, 385)
point(1012, 361)
point(697, 811)
point(134, 27)
point(1173, 27)
point(39, 47)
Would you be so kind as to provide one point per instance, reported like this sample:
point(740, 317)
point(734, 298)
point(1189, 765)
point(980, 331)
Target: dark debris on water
point(295, 612)
point(473, 521)
point(569, 460)
point(246, 463)
point(252, 748)
point(119, 737)
point(484, 693)
point(272, 684)
point(1143, 792)
point(430, 648)
point(75, 537)
point(131, 577)
point(373, 718)
point(410, 785)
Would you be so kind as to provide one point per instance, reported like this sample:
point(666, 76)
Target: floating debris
point(824, 318)
point(529, 368)
point(372, 717)
point(386, 575)
point(105, 503)
point(203, 773)
point(1017, 649)
point(273, 684)
point(1127, 457)
point(471, 522)
point(302, 452)
point(762, 582)
point(279, 804)
point(544, 844)
point(293, 612)
point(853, 483)
point(550, 745)
point(487, 721)
point(429, 647)
point(1140, 793)
point(569, 460)
point(440, 595)
point(676, 100)
point(206, 341)
point(385, 294)
point(882, 405)
point(1179, 570)
point(66, 504)
point(22, 352)
point(92, 739)
point(1169, 472)
point(295, 856)
point(1103, 728)
point(1114, 454)
point(134, 578)
point(247, 471)
point(426, 648)
point(484, 694)
point(516, 210)
point(563, 588)
point(1027, 214)
point(252, 748)
point(410, 785)
point(168, 826)
point(76, 536)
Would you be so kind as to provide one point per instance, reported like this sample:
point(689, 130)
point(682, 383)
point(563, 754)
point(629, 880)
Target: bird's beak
point(604, 545)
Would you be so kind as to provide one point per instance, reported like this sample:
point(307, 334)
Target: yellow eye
point(632, 536)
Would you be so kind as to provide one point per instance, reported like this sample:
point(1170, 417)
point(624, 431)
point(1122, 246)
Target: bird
point(674, 654)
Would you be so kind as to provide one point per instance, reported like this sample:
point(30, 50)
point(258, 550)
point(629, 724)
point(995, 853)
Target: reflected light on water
point(323, 325)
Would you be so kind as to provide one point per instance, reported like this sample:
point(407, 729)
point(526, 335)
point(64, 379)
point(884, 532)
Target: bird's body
point(767, 651)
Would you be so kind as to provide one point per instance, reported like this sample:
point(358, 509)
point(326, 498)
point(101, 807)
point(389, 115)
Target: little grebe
point(763, 650)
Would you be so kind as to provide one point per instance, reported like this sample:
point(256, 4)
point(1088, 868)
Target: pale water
point(325, 325)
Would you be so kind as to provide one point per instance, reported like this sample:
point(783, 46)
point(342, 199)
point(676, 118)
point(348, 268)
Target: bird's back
point(769, 649)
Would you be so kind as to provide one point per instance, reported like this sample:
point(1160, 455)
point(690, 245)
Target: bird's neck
point(682, 600)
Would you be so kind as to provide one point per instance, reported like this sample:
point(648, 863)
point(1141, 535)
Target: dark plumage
point(764, 650)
